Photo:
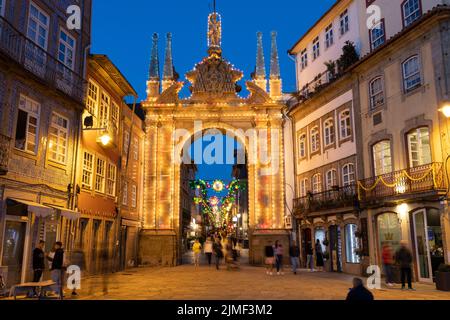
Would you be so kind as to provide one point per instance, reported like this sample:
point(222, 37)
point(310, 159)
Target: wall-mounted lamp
point(446, 109)
point(402, 211)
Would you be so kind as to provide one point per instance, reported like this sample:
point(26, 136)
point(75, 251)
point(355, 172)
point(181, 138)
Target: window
point(303, 187)
point(328, 132)
point(315, 139)
point(345, 124)
point(304, 59)
point(103, 114)
point(377, 35)
point(316, 48)
point(115, 115)
point(411, 11)
point(329, 36)
point(100, 176)
point(411, 73)
point(92, 98)
point(317, 183)
point(136, 149)
point(88, 168)
point(302, 146)
point(125, 194)
point(27, 128)
point(66, 51)
point(126, 142)
point(331, 179)
point(351, 243)
point(38, 26)
point(133, 195)
point(111, 180)
point(344, 22)
point(376, 92)
point(419, 147)
point(348, 174)
point(58, 134)
point(382, 159)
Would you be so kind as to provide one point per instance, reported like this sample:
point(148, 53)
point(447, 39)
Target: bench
point(32, 285)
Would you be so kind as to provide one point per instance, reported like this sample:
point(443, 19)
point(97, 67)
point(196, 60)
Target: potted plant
point(443, 277)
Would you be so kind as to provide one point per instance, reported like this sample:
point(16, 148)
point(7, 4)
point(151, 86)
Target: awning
point(37, 209)
point(69, 214)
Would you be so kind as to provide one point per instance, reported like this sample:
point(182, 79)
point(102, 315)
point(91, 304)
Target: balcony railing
point(421, 179)
point(338, 197)
point(5, 146)
point(36, 60)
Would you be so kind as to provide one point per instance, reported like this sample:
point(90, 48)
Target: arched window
point(317, 183)
point(315, 139)
point(412, 10)
point(419, 147)
point(302, 146)
point(382, 159)
point(345, 124)
point(328, 132)
point(411, 73)
point(376, 92)
point(351, 243)
point(331, 179)
point(348, 174)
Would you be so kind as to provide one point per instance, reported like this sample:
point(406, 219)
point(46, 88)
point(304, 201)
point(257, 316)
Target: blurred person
point(387, 259)
point(217, 247)
point(309, 258)
point(319, 256)
point(208, 249)
point(294, 254)
point(197, 249)
point(359, 292)
point(270, 258)
point(403, 257)
point(38, 264)
point(58, 268)
point(278, 248)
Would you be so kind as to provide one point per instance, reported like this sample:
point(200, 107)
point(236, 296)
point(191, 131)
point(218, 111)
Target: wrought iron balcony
point(5, 146)
point(33, 58)
point(424, 179)
point(338, 197)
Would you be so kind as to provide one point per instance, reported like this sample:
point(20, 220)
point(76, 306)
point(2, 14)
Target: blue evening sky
point(123, 30)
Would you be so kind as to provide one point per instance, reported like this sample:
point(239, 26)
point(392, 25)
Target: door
point(13, 249)
point(306, 241)
point(335, 248)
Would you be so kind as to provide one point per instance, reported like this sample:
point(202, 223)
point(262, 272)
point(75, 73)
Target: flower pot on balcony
point(443, 278)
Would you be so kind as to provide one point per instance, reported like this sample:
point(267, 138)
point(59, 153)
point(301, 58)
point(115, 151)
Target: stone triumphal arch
point(214, 103)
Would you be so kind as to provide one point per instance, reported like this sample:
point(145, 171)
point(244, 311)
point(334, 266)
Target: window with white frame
point(2, 7)
point(377, 35)
point(328, 132)
point(382, 159)
point(344, 22)
point(348, 174)
point(57, 138)
point(125, 194)
point(411, 73)
point(345, 124)
point(88, 169)
point(303, 187)
point(111, 180)
point(133, 196)
point(103, 112)
point(126, 142)
point(92, 98)
point(315, 139)
point(419, 147)
point(38, 26)
point(331, 179)
point(317, 183)
point(376, 92)
point(27, 126)
point(329, 36)
point(66, 50)
point(316, 48)
point(115, 115)
point(135, 148)
point(100, 176)
point(304, 59)
point(302, 146)
point(411, 11)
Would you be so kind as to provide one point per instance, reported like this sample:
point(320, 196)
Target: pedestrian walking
point(294, 254)
point(208, 249)
point(57, 269)
point(403, 257)
point(197, 249)
point(309, 258)
point(359, 292)
point(218, 252)
point(319, 256)
point(278, 248)
point(270, 258)
point(387, 259)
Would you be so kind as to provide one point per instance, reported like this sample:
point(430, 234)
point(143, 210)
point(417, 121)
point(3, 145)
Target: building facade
point(41, 100)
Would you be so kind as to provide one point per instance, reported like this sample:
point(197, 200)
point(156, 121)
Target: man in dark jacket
point(57, 268)
point(294, 253)
point(38, 261)
point(359, 292)
point(403, 258)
